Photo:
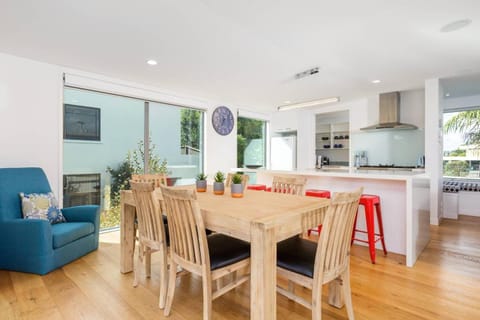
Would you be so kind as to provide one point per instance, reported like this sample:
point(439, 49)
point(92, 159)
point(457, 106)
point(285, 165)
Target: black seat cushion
point(297, 255)
point(225, 250)
point(167, 235)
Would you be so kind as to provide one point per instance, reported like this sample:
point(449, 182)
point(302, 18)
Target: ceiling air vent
point(306, 73)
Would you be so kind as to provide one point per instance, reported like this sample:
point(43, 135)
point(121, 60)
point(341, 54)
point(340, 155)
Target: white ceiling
point(247, 52)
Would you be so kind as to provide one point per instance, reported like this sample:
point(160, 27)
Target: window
point(251, 144)
point(81, 123)
point(461, 143)
point(167, 138)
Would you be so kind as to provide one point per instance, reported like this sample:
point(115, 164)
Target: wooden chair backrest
point(333, 250)
point(290, 185)
point(228, 181)
point(188, 240)
point(149, 214)
point(157, 179)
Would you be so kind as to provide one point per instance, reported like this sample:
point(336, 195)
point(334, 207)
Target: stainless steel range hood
point(389, 114)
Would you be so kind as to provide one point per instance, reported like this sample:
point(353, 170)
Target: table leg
point(263, 270)
point(127, 236)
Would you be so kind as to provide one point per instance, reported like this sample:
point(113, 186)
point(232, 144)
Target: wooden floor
point(444, 284)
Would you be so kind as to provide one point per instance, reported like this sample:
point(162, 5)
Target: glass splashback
point(401, 148)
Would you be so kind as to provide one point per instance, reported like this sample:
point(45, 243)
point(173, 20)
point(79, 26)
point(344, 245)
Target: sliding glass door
point(177, 136)
point(107, 138)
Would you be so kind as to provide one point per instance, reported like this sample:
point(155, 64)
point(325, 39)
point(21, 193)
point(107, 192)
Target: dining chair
point(311, 264)
point(290, 185)
point(152, 234)
point(211, 257)
point(157, 179)
point(245, 179)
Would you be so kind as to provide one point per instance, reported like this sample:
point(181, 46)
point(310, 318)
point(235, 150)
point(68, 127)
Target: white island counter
point(404, 200)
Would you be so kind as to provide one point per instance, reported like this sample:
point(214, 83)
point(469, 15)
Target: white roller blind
point(253, 115)
point(129, 89)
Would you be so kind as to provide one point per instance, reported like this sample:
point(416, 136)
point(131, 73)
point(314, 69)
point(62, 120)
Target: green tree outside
point(190, 125)
point(121, 175)
point(457, 153)
point(466, 123)
point(456, 168)
point(247, 129)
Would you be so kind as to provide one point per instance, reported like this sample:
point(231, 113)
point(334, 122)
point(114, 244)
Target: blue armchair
point(36, 246)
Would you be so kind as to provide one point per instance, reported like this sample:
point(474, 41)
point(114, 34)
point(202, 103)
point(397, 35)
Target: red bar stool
point(268, 189)
point(319, 194)
point(258, 187)
point(371, 203)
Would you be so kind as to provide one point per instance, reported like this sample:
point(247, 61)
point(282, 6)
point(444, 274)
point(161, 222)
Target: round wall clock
point(222, 120)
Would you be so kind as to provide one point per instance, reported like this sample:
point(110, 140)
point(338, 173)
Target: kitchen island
point(404, 197)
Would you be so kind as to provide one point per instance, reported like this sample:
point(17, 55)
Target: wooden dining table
point(261, 218)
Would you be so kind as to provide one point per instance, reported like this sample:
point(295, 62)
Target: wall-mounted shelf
point(331, 134)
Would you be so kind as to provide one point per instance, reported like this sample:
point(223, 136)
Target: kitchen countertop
point(353, 173)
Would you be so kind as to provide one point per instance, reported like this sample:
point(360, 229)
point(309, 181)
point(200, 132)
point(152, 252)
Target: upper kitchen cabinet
point(284, 121)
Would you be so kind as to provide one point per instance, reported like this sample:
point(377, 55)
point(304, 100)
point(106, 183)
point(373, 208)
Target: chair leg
point(207, 297)
point(136, 266)
point(148, 262)
point(370, 219)
point(354, 227)
point(317, 301)
point(172, 277)
point(380, 227)
point(163, 279)
point(347, 294)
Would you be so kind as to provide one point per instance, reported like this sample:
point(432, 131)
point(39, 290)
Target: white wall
point(31, 102)
point(30, 116)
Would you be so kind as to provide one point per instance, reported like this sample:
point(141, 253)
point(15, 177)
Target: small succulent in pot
point(219, 185)
point(236, 186)
point(201, 182)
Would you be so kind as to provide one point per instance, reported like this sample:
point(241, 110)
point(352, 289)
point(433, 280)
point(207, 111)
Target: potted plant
point(218, 185)
point(201, 182)
point(236, 188)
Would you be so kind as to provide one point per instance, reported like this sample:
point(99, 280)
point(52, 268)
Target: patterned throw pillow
point(42, 206)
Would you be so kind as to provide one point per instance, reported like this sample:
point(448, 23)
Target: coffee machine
point(322, 161)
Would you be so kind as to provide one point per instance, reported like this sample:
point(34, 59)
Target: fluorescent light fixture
point(152, 62)
point(376, 81)
point(287, 101)
point(308, 104)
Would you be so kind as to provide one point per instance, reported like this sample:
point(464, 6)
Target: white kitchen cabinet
point(450, 205)
point(284, 121)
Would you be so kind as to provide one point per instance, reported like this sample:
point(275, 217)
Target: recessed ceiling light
point(447, 94)
point(456, 25)
point(376, 81)
point(152, 62)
